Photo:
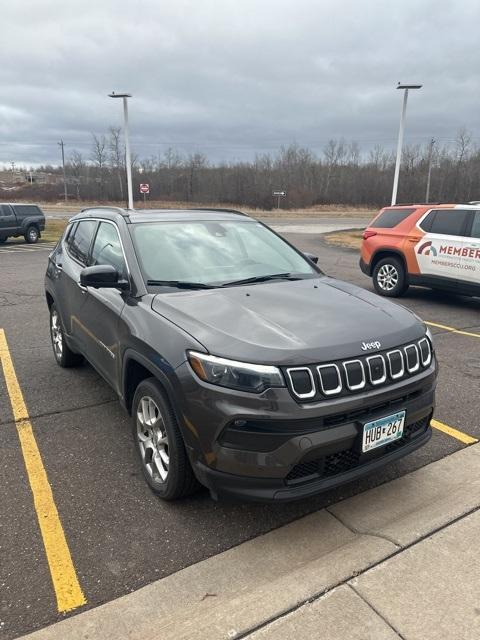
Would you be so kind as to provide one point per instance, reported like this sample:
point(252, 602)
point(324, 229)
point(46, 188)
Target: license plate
point(382, 431)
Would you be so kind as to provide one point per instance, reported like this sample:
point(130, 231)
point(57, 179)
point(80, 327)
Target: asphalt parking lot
point(119, 536)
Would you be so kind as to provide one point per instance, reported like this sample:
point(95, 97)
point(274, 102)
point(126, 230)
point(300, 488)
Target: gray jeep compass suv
point(244, 367)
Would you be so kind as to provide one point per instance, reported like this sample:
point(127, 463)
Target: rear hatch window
point(389, 218)
point(24, 210)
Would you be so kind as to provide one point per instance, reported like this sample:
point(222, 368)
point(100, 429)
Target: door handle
point(413, 239)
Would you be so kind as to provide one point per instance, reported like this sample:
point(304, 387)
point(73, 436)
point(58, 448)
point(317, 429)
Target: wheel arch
point(136, 368)
point(386, 253)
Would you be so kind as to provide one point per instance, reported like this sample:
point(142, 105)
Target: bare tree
point(117, 157)
point(99, 157)
point(77, 169)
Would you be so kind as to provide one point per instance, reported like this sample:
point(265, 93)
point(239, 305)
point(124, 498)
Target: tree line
point(342, 173)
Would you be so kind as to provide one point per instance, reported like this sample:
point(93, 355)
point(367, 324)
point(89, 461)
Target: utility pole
point(61, 145)
point(430, 161)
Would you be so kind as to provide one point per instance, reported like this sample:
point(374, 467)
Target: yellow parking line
point(453, 330)
point(455, 433)
point(64, 577)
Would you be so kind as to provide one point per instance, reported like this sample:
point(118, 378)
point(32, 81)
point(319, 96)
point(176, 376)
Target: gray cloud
point(234, 78)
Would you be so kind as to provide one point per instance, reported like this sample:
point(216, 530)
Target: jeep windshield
point(204, 254)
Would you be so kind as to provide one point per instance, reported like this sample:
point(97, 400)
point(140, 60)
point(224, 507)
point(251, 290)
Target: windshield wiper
point(273, 276)
point(180, 284)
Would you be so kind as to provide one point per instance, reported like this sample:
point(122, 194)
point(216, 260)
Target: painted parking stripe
point(64, 577)
point(18, 247)
point(454, 433)
point(453, 330)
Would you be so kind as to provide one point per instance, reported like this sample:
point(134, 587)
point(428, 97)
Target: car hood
point(285, 322)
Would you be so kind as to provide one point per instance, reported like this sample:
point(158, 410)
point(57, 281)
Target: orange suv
point(431, 245)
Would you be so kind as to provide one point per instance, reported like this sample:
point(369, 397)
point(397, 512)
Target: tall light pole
point(430, 162)
point(128, 161)
point(405, 87)
point(61, 144)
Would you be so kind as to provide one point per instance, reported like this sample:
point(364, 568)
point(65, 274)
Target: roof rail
point(425, 204)
point(240, 213)
point(121, 210)
point(416, 204)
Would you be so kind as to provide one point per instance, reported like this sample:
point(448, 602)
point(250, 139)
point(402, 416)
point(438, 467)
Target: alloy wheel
point(57, 336)
point(152, 439)
point(387, 277)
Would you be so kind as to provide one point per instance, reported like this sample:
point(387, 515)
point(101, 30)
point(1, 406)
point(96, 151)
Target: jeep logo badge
point(366, 346)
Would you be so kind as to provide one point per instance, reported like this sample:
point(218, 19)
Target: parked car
point(243, 366)
point(25, 220)
point(435, 246)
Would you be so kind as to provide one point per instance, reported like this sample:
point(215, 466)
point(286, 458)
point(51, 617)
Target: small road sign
point(278, 195)
point(144, 188)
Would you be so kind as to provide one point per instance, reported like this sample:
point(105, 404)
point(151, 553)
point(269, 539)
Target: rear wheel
point(164, 460)
point(32, 234)
point(390, 278)
point(64, 356)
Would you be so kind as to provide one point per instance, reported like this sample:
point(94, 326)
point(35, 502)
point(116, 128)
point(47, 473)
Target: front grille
point(348, 459)
point(310, 383)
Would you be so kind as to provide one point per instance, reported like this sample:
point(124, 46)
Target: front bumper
point(225, 485)
point(268, 447)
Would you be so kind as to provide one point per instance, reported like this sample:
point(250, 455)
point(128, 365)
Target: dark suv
point(243, 366)
point(25, 220)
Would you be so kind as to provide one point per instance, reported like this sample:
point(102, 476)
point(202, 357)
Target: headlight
point(254, 378)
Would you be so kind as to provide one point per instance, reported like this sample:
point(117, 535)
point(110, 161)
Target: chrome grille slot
point(330, 380)
point(396, 364)
point(413, 361)
point(302, 382)
point(354, 374)
point(425, 352)
point(377, 369)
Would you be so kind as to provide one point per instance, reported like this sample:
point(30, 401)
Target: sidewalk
point(398, 561)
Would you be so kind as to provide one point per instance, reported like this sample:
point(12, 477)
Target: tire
point(159, 443)
point(64, 356)
point(32, 234)
point(390, 278)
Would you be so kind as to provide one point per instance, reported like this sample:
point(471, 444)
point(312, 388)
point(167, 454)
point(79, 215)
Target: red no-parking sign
point(144, 188)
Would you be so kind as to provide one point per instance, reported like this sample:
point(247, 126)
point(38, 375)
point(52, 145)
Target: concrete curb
point(242, 589)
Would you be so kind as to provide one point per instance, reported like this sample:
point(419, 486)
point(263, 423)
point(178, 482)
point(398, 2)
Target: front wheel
point(159, 443)
point(32, 235)
point(390, 278)
point(64, 356)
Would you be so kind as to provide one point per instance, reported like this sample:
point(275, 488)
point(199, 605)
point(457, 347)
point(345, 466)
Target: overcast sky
point(234, 77)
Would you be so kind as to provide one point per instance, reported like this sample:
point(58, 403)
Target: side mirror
point(102, 276)
point(311, 257)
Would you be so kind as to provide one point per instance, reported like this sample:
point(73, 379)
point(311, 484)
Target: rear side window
point(80, 239)
point(391, 217)
point(447, 222)
point(476, 225)
point(24, 210)
point(5, 210)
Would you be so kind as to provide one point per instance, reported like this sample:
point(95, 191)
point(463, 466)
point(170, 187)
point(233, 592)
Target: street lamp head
point(119, 95)
point(409, 86)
